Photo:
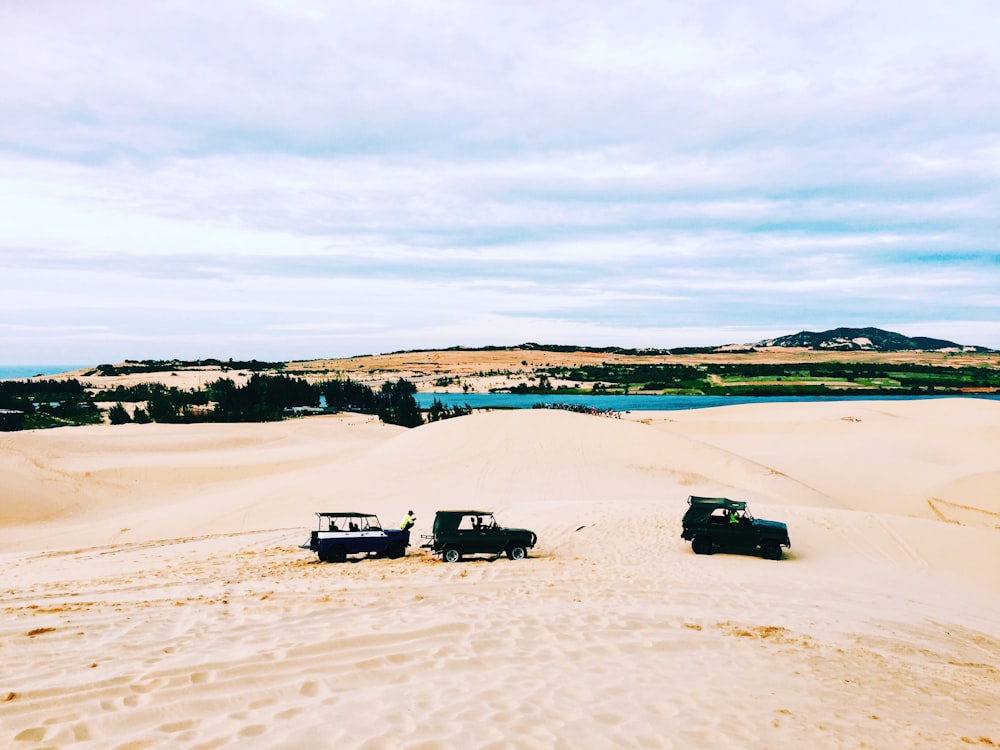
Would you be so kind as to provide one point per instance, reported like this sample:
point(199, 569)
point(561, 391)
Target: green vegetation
point(346, 395)
point(263, 398)
point(131, 367)
point(395, 404)
point(439, 411)
point(45, 403)
point(117, 414)
point(750, 379)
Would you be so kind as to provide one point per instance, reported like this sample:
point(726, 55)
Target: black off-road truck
point(458, 533)
point(719, 524)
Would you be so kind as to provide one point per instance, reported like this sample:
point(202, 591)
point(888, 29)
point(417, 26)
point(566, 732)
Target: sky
point(289, 179)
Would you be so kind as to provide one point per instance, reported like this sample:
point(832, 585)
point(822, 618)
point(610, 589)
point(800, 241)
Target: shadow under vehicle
point(343, 534)
point(719, 524)
point(459, 533)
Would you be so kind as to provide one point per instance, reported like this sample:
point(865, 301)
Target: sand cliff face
point(154, 595)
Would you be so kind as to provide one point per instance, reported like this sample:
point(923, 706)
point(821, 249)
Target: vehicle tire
point(517, 552)
point(322, 556)
point(770, 549)
point(337, 555)
point(451, 554)
point(702, 545)
point(395, 551)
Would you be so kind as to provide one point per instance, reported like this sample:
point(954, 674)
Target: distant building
point(301, 411)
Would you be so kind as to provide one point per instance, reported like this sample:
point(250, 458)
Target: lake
point(642, 403)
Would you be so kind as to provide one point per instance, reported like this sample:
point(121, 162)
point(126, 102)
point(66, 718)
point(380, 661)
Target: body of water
point(641, 403)
point(15, 372)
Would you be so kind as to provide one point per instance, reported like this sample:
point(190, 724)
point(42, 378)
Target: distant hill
point(866, 339)
point(836, 339)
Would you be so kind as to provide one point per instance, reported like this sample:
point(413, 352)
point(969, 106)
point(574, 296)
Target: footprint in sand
point(177, 726)
point(35, 734)
point(309, 689)
point(81, 732)
point(63, 718)
point(147, 687)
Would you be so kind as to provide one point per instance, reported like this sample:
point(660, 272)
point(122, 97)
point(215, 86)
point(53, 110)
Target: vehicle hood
point(508, 531)
point(773, 526)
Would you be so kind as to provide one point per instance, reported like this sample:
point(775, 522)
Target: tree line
point(263, 398)
point(131, 367)
point(29, 404)
point(269, 398)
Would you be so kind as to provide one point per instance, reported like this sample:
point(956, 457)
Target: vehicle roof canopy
point(347, 515)
point(447, 520)
point(716, 502)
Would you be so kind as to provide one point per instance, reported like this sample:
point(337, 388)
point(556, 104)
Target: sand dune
point(155, 597)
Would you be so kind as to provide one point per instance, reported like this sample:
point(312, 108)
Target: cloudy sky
point(288, 179)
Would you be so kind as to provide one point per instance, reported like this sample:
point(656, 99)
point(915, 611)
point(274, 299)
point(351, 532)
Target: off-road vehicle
point(458, 533)
point(343, 534)
point(717, 523)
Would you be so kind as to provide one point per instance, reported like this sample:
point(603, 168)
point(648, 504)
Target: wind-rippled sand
point(154, 595)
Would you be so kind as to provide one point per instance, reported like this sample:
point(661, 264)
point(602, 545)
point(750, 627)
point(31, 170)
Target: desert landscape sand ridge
point(155, 596)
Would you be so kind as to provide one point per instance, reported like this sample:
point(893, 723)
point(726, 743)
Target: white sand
point(154, 596)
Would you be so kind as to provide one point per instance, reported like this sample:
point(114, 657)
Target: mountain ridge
point(865, 339)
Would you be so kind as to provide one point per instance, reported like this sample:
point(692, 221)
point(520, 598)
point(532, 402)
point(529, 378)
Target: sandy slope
point(154, 595)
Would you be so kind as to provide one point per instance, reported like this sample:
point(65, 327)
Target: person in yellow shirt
point(408, 520)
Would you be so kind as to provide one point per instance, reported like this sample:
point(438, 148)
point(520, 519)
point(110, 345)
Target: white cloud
point(389, 175)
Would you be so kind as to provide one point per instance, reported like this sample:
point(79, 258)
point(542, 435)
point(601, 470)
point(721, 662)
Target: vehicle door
point(372, 537)
point(494, 536)
point(724, 531)
point(477, 536)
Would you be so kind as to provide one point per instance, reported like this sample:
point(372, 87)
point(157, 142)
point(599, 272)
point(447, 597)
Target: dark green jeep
point(717, 523)
point(458, 533)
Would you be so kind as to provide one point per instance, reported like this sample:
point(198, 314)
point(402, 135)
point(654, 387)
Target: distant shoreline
point(17, 372)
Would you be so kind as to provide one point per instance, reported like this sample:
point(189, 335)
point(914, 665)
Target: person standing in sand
point(408, 520)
